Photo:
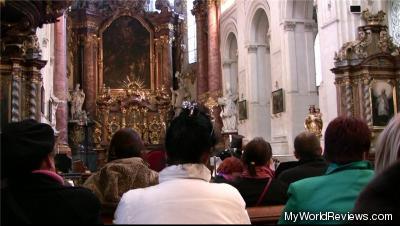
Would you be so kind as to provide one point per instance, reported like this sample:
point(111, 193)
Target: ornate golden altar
point(144, 110)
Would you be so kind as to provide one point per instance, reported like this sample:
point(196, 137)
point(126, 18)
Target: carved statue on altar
point(229, 111)
point(77, 99)
point(313, 122)
point(54, 101)
point(179, 95)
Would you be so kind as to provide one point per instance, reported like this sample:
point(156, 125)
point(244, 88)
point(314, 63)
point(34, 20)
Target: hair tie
point(190, 106)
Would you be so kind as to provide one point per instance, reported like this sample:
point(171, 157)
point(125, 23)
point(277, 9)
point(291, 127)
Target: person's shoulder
point(307, 183)
point(80, 192)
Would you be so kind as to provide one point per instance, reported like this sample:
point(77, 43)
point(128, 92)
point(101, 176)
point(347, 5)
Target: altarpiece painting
point(126, 52)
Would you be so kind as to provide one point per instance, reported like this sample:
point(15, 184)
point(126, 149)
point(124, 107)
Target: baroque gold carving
point(373, 19)
point(134, 107)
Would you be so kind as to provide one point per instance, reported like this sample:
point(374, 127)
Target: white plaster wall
point(46, 40)
point(288, 64)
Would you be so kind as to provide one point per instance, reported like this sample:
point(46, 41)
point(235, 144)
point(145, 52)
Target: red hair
point(346, 140)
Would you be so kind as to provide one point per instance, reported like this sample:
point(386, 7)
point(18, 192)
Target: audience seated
point(184, 195)
point(125, 169)
point(347, 140)
point(32, 193)
point(308, 150)
point(256, 183)
point(229, 169)
point(382, 194)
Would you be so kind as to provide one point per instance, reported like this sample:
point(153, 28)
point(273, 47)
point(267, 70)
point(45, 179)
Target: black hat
point(25, 143)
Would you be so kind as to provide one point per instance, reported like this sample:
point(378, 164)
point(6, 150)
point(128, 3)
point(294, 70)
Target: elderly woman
point(347, 140)
point(125, 169)
point(185, 195)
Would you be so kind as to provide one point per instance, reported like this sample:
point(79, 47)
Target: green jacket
point(327, 196)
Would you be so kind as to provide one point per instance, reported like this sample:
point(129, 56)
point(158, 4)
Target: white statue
point(77, 98)
point(54, 105)
point(179, 95)
point(229, 111)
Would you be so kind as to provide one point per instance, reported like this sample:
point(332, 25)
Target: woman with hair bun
point(256, 183)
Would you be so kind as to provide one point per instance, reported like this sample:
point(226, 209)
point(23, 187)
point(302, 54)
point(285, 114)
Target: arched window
point(191, 29)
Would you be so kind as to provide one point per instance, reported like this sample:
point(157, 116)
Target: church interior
point(268, 69)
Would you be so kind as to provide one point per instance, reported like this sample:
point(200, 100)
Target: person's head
point(387, 150)
point(125, 143)
point(230, 165)
point(307, 146)
point(190, 137)
point(257, 152)
point(346, 140)
point(26, 146)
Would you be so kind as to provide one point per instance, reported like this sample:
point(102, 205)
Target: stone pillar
point(200, 12)
point(226, 72)
point(214, 55)
point(60, 80)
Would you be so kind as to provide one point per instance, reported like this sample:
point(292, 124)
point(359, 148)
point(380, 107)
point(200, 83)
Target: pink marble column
point(60, 80)
point(89, 76)
point(200, 12)
point(214, 56)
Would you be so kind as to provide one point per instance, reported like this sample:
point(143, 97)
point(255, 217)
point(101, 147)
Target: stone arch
point(254, 8)
point(230, 64)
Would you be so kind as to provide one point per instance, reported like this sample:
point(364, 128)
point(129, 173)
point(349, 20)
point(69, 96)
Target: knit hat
point(25, 144)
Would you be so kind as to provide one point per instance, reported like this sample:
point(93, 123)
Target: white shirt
point(184, 196)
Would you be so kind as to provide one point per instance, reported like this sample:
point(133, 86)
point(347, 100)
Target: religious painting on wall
point(242, 110)
point(383, 102)
point(126, 52)
point(278, 104)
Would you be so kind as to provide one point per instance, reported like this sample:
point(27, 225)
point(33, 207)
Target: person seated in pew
point(32, 192)
point(229, 169)
point(125, 169)
point(307, 150)
point(256, 183)
point(184, 194)
point(347, 141)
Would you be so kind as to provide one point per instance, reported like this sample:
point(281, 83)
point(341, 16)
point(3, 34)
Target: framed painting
point(278, 104)
point(242, 110)
point(126, 53)
point(383, 102)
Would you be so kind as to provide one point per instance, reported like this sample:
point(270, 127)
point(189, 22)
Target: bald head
point(307, 146)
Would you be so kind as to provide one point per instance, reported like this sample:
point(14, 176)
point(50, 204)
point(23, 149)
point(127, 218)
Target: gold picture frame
point(242, 110)
point(383, 100)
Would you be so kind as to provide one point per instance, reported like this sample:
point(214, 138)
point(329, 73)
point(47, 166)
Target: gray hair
point(388, 146)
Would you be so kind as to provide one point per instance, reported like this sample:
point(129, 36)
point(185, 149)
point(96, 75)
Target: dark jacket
point(283, 166)
point(39, 199)
point(251, 189)
point(305, 169)
point(381, 196)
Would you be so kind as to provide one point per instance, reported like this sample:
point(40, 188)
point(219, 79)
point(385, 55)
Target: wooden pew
point(266, 215)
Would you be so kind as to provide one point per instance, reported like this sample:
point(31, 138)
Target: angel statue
point(229, 111)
